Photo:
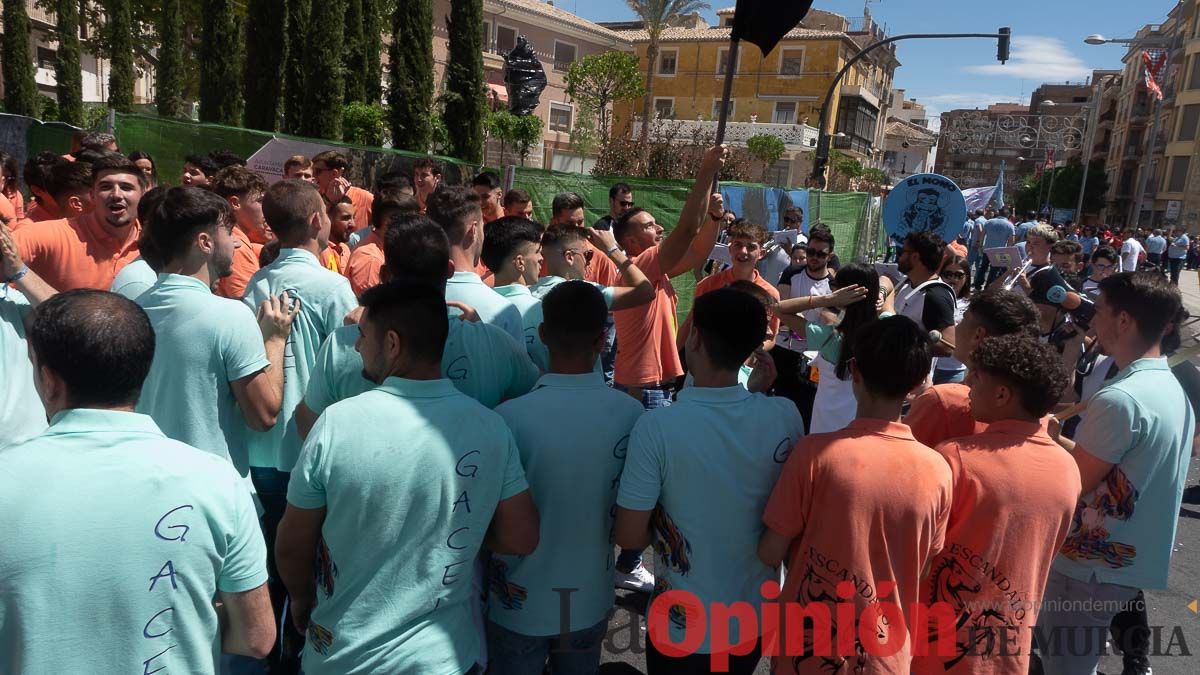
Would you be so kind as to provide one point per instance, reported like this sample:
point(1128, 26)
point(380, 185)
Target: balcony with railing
point(794, 136)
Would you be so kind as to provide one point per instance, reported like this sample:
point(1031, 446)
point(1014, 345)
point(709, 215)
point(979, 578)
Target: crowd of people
point(266, 427)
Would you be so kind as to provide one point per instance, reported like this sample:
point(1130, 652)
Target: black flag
point(765, 22)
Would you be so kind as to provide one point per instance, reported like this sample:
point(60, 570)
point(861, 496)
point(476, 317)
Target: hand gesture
point(10, 255)
point(716, 206)
point(275, 315)
point(764, 373)
point(338, 187)
point(353, 317)
point(468, 312)
point(603, 240)
point(714, 158)
point(846, 296)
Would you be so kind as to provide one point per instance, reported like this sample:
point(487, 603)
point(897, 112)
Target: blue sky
point(946, 74)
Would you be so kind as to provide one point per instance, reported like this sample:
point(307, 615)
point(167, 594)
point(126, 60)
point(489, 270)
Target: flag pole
point(723, 116)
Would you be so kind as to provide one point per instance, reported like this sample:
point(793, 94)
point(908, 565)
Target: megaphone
point(1081, 309)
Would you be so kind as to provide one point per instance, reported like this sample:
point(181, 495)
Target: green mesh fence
point(169, 141)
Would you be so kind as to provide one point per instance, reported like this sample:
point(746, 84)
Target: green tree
point(168, 89)
point(354, 55)
point(266, 52)
point(522, 132)
point(68, 74)
point(599, 80)
point(373, 21)
point(121, 73)
point(465, 102)
point(410, 75)
point(321, 113)
point(20, 87)
point(364, 123)
point(293, 87)
point(656, 15)
point(1035, 192)
point(766, 149)
point(220, 64)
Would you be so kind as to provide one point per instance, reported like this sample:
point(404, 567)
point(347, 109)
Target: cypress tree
point(410, 75)
point(20, 87)
point(168, 88)
point(465, 101)
point(373, 49)
point(293, 87)
point(220, 64)
point(321, 112)
point(354, 55)
point(68, 74)
point(266, 53)
point(120, 47)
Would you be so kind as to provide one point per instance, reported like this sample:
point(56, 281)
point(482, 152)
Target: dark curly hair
point(1033, 369)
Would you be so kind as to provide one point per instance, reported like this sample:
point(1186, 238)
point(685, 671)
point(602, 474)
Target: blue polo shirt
point(1179, 247)
point(1023, 229)
point(481, 360)
point(997, 231)
point(410, 474)
point(325, 300)
point(202, 343)
point(575, 491)
point(469, 289)
point(105, 517)
point(21, 411)
point(134, 279)
point(1124, 529)
point(531, 318)
point(710, 462)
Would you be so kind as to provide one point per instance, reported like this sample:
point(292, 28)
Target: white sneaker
point(640, 579)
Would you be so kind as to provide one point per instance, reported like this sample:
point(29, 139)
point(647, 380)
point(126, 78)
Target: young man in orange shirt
point(37, 177)
point(943, 411)
point(487, 186)
point(1014, 494)
point(244, 191)
point(647, 363)
point(517, 202)
point(298, 167)
point(746, 241)
point(427, 176)
point(329, 169)
point(366, 260)
point(867, 503)
point(87, 251)
point(71, 188)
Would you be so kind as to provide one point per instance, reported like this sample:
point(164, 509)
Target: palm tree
point(657, 15)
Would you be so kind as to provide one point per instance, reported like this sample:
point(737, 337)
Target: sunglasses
point(954, 275)
point(587, 254)
point(816, 252)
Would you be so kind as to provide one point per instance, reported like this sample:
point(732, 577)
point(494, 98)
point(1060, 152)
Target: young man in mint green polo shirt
point(568, 255)
point(699, 473)
point(456, 209)
point(512, 250)
point(296, 214)
point(390, 587)
point(216, 369)
point(21, 412)
point(575, 492)
point(137, 530)
point(481, 360)
point(1132, 450)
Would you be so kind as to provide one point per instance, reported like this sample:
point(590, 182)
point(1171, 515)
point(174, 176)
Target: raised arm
point(13, 267)
point(637, 289)
point(676, 254)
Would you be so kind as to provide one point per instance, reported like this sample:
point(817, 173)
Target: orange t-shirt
point(361, 200)
point(722, 279)
point(336, 257)
point(942, 412)
point(8, 214)
point(18, 203)
point(245, 264)
point(39, 212)
point(78, 252)
point(602, 269)
point(867, 505)
point(1014, 496)
point(646, 352)
point(362, 268)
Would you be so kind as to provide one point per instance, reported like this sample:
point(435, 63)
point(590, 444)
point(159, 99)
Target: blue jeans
point(512, 653)
point(1073, 622)
point(608, 357)
point(650, 398)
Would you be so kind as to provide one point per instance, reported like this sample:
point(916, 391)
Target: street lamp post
point(821, 157)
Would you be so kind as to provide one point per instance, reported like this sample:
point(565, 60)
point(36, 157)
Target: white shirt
point(1131, 250)
point(803, 286)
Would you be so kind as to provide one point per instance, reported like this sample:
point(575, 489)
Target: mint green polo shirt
point(116, 540)
point(1124, 529)
point(531, 318)
point(710, 461)
point(574, 486)
point(469, 289)
point(547, 283)
point(325, 300)
point(202, 343)
point(21, 413)
point(481, 360)
point(134, 279)
point(410, 474)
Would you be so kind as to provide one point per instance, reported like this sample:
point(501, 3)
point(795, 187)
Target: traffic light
point(1002, 44)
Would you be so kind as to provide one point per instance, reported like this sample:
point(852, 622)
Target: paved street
point(1178, 639)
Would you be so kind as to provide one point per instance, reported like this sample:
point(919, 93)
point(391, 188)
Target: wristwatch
point(612, 250)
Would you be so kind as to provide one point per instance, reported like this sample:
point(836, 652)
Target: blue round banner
point(925, 202)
